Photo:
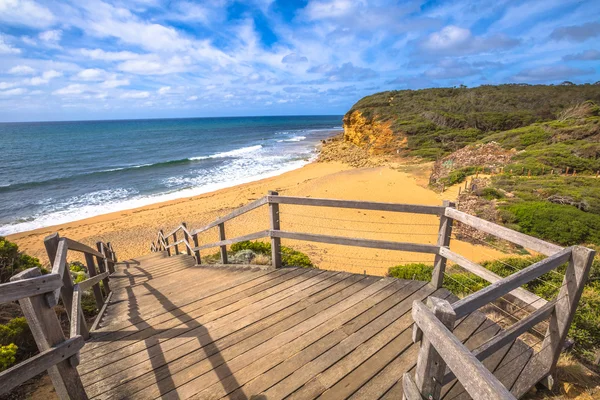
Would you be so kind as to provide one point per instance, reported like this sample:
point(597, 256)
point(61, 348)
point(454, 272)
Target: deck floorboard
point(177, 330)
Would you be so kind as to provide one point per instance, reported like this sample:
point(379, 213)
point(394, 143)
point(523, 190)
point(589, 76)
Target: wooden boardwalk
point(176, 330)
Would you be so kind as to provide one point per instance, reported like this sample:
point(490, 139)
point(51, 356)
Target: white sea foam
point(104, 202)
point(293, 139)
point(232, 153)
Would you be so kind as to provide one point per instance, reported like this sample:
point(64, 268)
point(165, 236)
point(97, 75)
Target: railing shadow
point(159, 362)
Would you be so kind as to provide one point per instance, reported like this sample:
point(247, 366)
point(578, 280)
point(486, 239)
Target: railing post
point(166, 239)
point(47, 333)
point(175, 242)
point(431, 368)
point(197, 252)
point(102, 268)
point(224, 247)
point(186, 238)
point(89, 260)
point(108, 265)
point(66, 291)
point(113, 255)
point(567, 300)
point(437, 277)
point(275, 226)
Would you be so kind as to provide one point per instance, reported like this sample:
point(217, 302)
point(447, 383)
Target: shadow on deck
point(177, 330)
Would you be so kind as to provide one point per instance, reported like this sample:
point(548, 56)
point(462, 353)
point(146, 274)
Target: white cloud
point(7, 85)
point(135, 94)
point(45, 78)
point(51, 36)
point(6, 48)
point(91, 74)
point(75, 88)
point(113, 83)
point(164, 90)
point(155, 66)
point(99, 54)
point(13, 92)
point(192, 98)
point(51, 74)
point(454, 40)
point(28, 40)
point(21, 70)
point(25, 12)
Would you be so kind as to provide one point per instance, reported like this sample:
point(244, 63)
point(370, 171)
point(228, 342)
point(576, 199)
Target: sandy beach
point(132, 231)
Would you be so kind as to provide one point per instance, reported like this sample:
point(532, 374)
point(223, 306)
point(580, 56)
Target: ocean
point(58, 172)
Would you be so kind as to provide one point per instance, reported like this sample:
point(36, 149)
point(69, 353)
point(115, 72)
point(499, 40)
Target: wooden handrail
point(471, 373)
point(528, 298)
point(39, 363)
point(509, 335)
point(235, 213)
point(502, 232)
point(490, 293)
point(18, 290)
point(359, 205)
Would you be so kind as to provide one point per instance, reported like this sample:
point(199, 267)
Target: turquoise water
point(56, 172)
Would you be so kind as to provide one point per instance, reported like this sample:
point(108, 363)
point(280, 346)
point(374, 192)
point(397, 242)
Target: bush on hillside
point(289, 256)
point(13, 261)
point(558, 223)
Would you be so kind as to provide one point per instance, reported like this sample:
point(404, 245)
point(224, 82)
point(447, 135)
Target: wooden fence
point(38, 295)
point(434, 324)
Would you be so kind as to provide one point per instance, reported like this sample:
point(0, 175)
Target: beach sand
point(131, 232)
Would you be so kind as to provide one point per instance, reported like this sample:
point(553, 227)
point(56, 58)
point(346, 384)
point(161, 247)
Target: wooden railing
point(38, 295)
point(439, 347)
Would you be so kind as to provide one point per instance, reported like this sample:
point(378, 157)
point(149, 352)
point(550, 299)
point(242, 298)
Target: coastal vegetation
point(259, 253)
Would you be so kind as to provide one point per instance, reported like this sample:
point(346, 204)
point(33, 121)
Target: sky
point(113, 59)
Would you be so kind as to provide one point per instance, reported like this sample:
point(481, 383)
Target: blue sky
point(94, 59)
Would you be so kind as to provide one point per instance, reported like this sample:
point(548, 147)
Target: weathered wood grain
point(16, 290)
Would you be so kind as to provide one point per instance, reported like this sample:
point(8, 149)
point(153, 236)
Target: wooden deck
point(176, 330)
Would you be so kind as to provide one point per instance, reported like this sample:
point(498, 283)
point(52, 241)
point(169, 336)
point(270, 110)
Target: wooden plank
point(98, 318)
point(244, 338)
point(358, 367)
point(186, 238)
point(527, 298)
point(76, 314)
point(430, 368)
point(85, 285)
point(411, 392)
point(508, 335)
point(359, 205)
point(270, 353)
point(498, 289)
point(188, 357)
point(266, 300)
point(567, 300)
point(443, 240)
point(369, 243)
point(251, 236)
point(89, 260)
point(235, 213)
point(294, 372)
point(58, 267)
point(502, 232)
point(17, 290)
point(47, 332)
point(477, 380)
point(275, 226)
point(82, 248)
point(222, 247)
point(39, 363)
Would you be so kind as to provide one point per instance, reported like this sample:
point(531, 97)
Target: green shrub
point(289, 256)
point(416, 271)
point(257, 247)
point(13, 261)
point(7, 356)
point(562, 224)
point(490, 193)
